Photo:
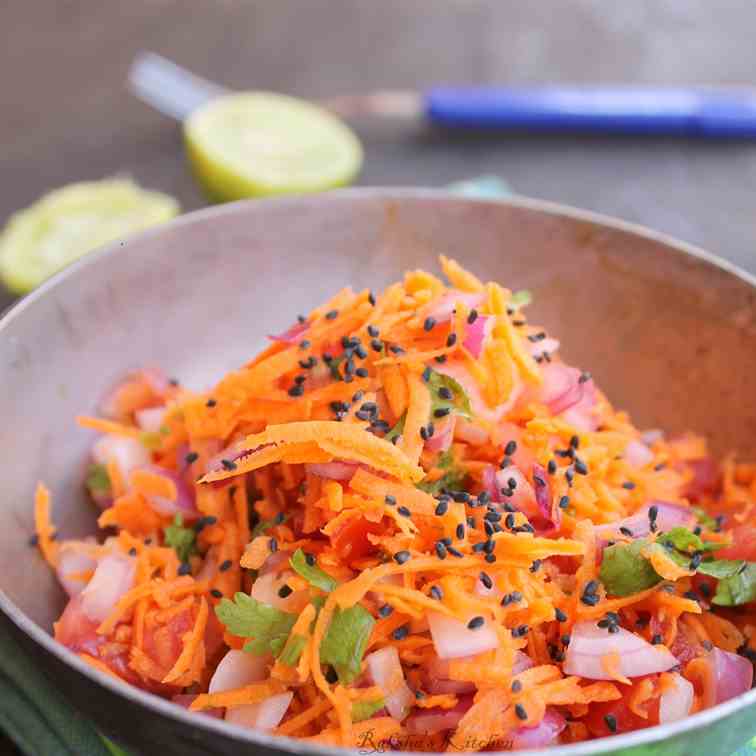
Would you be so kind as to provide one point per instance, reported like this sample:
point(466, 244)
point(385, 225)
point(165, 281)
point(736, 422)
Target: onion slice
point(75, 557)
point(386, 672)
point(261, 716)
point(543, 734)
point(733, 674)
point(292, 335)
point(113, 577)
point(638, 454)
point(184, 503)
point(333, 470)
point(669, 515)
point(452, 638)
point(237, 669)
point(433, 720)
point(675, 703)
point(636, 657)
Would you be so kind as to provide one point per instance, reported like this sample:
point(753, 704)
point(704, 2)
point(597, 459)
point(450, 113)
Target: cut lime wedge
point(69, 222)
point(255, 144)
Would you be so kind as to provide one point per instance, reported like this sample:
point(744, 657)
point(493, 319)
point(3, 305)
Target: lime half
point(254, 144)
point(69, 222)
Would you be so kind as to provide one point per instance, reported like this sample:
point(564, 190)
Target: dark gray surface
point(66, 114)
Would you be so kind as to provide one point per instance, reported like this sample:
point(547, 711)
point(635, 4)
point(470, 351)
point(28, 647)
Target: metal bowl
point(667, 330)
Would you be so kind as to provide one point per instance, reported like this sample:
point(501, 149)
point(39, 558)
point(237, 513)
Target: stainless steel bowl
point(667, 330)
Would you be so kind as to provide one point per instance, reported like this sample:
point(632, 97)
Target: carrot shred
point(43, 526)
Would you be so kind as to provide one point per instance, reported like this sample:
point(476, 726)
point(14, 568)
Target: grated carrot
point(43, 526)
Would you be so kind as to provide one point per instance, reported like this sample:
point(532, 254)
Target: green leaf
point(345, 642)
point(292, 650)
point(246, 617)
point(459, 403)
point(452, 480)
point(362, 710)
point(737, 589)
point(264, 525)
point(98, 480)
point(624, 571)
point(722, 568)
point(704, 519)
point(313, 574)
point(520, 298)
point(683, 540)
point(182, 539)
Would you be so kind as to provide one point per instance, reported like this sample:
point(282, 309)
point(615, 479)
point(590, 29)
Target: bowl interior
point(667, 335)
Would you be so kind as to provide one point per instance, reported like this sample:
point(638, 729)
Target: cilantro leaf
point(98, 480)
point(182, 539)
point(311, 572)
point(704, 519)
point(625, 571)
point(292, 650)
point(682, 539)
point(459, 401)
point(397, 430)
point(722, 568)
point(264, 525)
point(737, 589)
point(520, 298)
point(452, 480)
point(267, 627)
point(362, 710)
point(345, 642)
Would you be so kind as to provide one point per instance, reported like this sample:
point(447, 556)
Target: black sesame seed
point(331, 675)
point(560, 615)
point(490, 558)
point(215, 593)
point(372, 331)
point(184, 569)
point(228, 464)
point(285, 591)
point(516, 686)
point(552, 466)
point(371, 298)
point(224, 566)
point(441, 359)
point(628, 485)
point(626, 531)
point(536, 565)
point(401, 557)
point(385, 610)
point(489, 546)
point(564, 502)
point(429, 324)
point(404, 512)
point(485, 578)
point(580, 467)
point(653, 513)
point(584, 377)
point(132, 551)
point(475, 623)
point(656, 639)
point(451, 339)
point(361, 372)
point(520, 711)
point(296, 390)
point(396, 349)
point(273, 545)
point(454, 552)
point(332, 315)
point(460, 531)
point(210, 403)
point(520, 631)
point(611, 722)
point(442, 507)
point(445, 393)
point(441, 412)
point(436, 592)
point(34, 540)
point(400, 633)
point(472, 317)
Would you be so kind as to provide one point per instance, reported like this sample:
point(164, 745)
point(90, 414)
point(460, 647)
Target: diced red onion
point(544, 346)
point(150, 419)
point(733, 674)
point(550, 514)
point(452, 638)
point(127, 453)
point(636, 657)
point(237, 669)
point(563, 389)
point(75, 557)
point(113, 577)
point(675, 703)
point(443, 310)
point(437, 679)
point(184, 503)
point(293, 334)
point(442, 439)
point(521, 662)
point(266, 588)
point(476, 333)
point(545, 733)
point(638, 454)
point(333, 470)
point(668, 516)
point(185, 700)
point(651, 436)
point(386, 672)
point(263, 716)
point(433, 720)
point(523, 496)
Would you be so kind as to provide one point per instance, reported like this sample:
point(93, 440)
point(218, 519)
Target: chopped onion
point(127, 453)
point(237, 669)
point(261, 716)
point(733, 674)
point(675, 703)
point(550, 514)
point(521, 662)
point(668, 516)
point(184, 503)
point(75, 557)
point(453, 639)
point(112, 578)
point(543, 734)
point(638, 454)
point(442, 439)
point(333, 470)
point(293, 334)
point(636, 657)
point(433, 720)
point(523, 496)
point(386, 672)
point(545, 346)
point(443, 310)
point(476, 333)
point(564, 393)
point(266, 588)
point(150, 419)
point(651, 436)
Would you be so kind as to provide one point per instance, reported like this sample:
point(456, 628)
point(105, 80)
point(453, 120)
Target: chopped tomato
point(743, 544)
point(351, 539)
point(626, 720)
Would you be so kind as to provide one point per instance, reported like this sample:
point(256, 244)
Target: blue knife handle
point(619, 110)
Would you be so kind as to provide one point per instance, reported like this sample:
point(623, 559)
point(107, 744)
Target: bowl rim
point(287, 744)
